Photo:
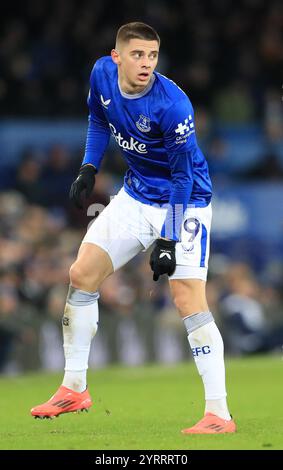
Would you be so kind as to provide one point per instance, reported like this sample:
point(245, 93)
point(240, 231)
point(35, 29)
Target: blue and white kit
point(167, 188)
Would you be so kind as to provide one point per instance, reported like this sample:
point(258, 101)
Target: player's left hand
point(162, 258)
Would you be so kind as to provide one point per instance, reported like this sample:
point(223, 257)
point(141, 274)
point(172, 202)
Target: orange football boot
point(65, 400)
point(211, 424)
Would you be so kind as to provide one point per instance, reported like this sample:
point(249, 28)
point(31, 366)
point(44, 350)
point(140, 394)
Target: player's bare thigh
point(91, 267)
point(189, 296)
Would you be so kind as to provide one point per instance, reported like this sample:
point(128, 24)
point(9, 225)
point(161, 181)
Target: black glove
point(85, 180)
point(162, 258)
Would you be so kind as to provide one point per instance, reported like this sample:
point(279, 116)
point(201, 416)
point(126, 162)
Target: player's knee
point(82, 279)
point(76, 275)
point(181, 293)
point(182, 302)
point(187, 305)
point(188, 297)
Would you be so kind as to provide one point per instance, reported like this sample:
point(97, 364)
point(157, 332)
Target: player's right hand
point(85, 181)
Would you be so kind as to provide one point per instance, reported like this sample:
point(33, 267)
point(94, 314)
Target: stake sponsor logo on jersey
point(125, 144)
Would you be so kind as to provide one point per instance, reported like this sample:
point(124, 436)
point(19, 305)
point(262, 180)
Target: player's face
point(136, 62)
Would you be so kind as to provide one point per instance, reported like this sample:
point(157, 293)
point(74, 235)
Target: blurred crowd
point(138, 322)
point(228, 56)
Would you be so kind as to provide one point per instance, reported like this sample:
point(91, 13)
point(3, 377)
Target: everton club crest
point(143, 124)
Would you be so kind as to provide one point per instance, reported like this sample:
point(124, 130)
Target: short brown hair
point(136, 30)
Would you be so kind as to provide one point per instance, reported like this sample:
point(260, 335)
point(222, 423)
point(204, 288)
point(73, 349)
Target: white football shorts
point(125, 227)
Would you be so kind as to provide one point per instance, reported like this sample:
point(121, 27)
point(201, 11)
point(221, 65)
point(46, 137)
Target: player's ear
point(115, 56)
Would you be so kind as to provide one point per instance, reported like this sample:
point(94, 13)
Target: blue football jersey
point(156, 133)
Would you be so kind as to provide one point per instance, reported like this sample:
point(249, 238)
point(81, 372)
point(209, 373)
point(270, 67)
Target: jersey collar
point(138, 95)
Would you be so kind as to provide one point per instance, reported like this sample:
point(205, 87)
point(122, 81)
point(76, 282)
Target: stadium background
point(228, 57)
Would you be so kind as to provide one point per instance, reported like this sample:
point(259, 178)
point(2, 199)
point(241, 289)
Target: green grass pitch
point(146, 407)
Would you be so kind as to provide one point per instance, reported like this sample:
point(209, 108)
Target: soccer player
point(165, 201)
